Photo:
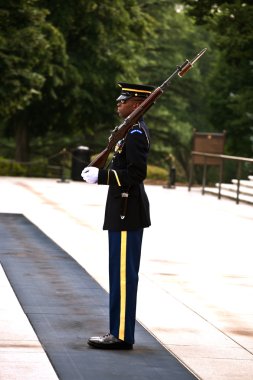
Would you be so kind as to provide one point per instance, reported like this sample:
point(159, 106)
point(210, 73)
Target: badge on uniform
point(119, 146)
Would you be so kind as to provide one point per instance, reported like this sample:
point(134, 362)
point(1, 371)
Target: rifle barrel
point(120, 131)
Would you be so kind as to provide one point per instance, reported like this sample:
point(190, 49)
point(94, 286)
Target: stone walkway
point(196, 282)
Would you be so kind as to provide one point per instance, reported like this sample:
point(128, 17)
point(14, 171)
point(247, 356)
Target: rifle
point(121, 130)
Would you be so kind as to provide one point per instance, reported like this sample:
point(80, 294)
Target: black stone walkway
point(65, 305)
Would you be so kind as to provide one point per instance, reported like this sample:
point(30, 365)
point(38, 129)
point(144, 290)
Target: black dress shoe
point(109, 342)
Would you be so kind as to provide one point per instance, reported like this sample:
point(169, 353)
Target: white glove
point(90, 174)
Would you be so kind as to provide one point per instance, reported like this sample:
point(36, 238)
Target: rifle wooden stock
point(120, 131)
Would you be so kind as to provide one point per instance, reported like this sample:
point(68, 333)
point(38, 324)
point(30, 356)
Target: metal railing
point(54, 166)
point(222, 158)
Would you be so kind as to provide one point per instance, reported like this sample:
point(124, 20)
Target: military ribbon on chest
point(119, 146)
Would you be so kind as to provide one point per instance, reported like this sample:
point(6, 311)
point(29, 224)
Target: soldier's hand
point(90, 174)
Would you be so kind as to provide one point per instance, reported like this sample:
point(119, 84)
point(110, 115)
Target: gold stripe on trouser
point(122, 285)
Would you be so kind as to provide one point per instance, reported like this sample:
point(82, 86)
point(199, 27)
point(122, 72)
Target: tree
point(230, 82)
point(63, 60)
point(92, 46)
point(104, 42)
point(33, 58)
point(183, 107)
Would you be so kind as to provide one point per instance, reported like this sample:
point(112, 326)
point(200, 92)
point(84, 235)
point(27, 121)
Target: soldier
point(126, 215)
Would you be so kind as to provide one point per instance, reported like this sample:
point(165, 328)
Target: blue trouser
point(124, 263)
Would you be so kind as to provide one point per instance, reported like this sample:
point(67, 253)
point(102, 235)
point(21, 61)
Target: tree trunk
point(22, 142)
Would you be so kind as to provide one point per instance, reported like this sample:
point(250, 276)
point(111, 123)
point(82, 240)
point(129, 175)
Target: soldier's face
point(126, 107)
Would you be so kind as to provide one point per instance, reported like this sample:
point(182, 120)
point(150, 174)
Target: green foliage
point(74, 57)
point(183, 107)
point(31, 53)
point(230, 81)
point(60, 63)
point(11, 168)
point(34, 66)
point(39, 168)
point(104, 41)
point(157, 173)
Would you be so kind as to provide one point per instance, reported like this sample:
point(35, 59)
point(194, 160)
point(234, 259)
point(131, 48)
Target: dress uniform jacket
point(126, 174)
